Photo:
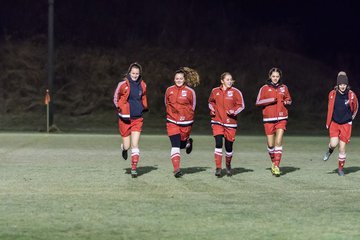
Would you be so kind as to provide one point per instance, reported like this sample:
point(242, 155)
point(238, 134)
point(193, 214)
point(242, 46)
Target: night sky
point(323, 30)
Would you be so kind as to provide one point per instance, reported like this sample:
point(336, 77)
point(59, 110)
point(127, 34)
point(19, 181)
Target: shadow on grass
point(347, 170)
point(286, 170)
point(141, 170)
point(236, 171)
point(192, 170)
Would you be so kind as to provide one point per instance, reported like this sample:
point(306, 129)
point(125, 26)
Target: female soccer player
point(180, 102)
point(131, 102)
point(274, 97)
point(342, 109)
point(225, 103)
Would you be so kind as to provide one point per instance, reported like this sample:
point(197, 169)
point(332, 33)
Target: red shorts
point(173, 129)
point(342, 131)
point(270, 128)
point(126, 127)
point(229, 133)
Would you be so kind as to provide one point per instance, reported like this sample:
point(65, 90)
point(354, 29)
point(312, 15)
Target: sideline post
point(47, 103)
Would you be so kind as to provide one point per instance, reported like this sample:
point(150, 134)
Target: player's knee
point(219, 141)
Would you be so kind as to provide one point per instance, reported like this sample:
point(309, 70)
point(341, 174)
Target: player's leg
point(345, 135)
point(278, 151)
point(229, 136)
point(186, 141)
point(125, 146)
point(218, 133)
point(334, 132)
point(270, 136)
point(135, 152)
point(228, 156)
point(175, 154)
point(124, 129)
point(342, 158)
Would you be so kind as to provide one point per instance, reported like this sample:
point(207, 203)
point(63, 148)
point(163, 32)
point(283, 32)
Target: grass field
point(66, 186)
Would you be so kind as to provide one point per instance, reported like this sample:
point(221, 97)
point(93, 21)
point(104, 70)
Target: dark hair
point(191, 76)
point(337, 87)
point(222, 76)
point(135, 65)
point(275, 69)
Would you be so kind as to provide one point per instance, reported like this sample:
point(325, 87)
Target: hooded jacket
point(121, 98)
point(353, 103)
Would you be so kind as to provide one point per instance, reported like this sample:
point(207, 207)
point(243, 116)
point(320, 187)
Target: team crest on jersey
point(171, 92)
point(270, 90)
point(282, 89)
point(230, 93)
point(183, 93)
point(217, 94)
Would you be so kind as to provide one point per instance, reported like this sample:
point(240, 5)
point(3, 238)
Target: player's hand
point(230, 112)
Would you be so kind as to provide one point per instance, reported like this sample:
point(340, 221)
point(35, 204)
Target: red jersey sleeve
point(287, 99)
point(355, 104)
point(262, 99)
point(239, 103)
point(212, 103)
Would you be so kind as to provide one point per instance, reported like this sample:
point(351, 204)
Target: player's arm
point(262, 100)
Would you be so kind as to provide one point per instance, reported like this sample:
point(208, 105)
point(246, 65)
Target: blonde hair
point(275, 69)
point(191, 76)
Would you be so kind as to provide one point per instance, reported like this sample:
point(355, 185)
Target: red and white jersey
point(274, 99)
point(225, 105)
point(180, 105)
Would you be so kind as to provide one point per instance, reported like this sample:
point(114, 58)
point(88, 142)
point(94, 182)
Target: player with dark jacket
point(342, 109)
point(131, 102)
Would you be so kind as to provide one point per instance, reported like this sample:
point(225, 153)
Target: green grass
point(67, 186)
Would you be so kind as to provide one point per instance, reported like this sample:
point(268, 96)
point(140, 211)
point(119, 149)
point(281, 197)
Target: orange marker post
point(47, 101)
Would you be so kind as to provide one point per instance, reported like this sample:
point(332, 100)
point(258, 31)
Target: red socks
point(175, 158)
point(228, 157)
point(218, 157)
point(277, 155)
point(342, 158)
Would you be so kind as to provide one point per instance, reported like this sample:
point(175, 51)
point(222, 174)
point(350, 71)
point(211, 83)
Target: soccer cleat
point(228, 170)
point(272, 168)
point(326, 156)
point(341, 172)
point(189, 146)
point(275, 171)
point(178, 173)
point(134, 173)
point(218, 172)
point(124, 152)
